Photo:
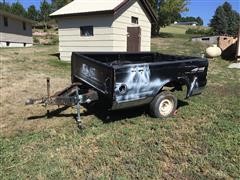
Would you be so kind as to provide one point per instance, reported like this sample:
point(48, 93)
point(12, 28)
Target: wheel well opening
point(174, 86)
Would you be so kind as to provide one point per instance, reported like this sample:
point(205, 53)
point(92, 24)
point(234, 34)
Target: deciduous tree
point(191, 18)
point(167, 11)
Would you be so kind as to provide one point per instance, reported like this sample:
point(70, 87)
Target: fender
point(189, 83)
point(181, 81)
point(186, 81)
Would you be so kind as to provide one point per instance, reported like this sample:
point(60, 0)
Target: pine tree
point(5, 7)
point(219, 22)
point(225, 20)
point(200, 21)
point(18, 9)
point(32, 13)
point(57, 4)
point(45, 10)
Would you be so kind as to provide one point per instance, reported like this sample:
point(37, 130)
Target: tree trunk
point(45, 26)
point(155, 29)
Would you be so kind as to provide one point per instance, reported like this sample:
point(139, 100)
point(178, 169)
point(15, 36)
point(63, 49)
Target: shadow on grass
point(229, 54)
point(102, 113)
point(55, 55)
point(182, 103)
point(165, 35)
point(118, 115)
point(107, 116)
point(51, 114)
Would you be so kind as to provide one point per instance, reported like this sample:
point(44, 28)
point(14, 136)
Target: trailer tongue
point(73, 95)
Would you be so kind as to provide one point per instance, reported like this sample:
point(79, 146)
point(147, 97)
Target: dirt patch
point(22, 77)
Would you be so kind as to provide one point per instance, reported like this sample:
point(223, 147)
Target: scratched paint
point(88, 71)
point(139, 84)
point(194, 88)
point(194, 84)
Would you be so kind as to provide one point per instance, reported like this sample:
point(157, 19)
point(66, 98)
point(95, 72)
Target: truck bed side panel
point(93, 73)
point(142, 82)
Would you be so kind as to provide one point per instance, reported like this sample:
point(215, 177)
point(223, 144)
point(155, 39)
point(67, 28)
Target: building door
point(133, 39)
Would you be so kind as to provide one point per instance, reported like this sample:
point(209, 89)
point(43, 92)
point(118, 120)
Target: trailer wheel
point(163, 105)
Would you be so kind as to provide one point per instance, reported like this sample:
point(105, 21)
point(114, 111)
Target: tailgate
point(96, 74)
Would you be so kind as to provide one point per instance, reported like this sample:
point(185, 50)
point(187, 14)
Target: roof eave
point(151, 11)
point(4, 13)
point(83, 13)
point(146, 4)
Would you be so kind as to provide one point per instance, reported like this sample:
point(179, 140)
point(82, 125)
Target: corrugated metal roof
point(87, 6)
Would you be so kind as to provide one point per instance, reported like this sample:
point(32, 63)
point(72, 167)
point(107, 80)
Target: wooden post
point(48, 87)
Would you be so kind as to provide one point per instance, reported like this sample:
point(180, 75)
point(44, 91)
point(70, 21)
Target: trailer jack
point(73, 96)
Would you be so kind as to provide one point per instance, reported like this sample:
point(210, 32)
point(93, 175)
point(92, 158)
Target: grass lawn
point(201, 142)
point(175, 29)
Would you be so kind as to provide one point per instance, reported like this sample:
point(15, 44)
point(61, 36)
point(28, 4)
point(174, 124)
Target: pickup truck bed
point(132, 79)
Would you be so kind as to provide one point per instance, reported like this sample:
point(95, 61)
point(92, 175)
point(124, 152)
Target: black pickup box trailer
point(133, 79)
point(123, 80)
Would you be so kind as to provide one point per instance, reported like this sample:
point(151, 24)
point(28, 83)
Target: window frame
point(88, 29)
point(24, 25)
point(5, 21)
point(134, 20)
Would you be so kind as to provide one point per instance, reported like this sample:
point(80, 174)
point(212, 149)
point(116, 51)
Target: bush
point(55, 40)
point(200, 31)
point(52, 39)
point(36, 40)
point(165, 35)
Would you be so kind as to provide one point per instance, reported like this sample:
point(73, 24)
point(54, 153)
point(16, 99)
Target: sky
point(203, 8)
point(206, 8)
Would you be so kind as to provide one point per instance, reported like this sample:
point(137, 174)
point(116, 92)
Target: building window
point(24, 26)
point(205, 39)
point(8, 44)
point(86, 30)
point(5, 20)
point(134, 20)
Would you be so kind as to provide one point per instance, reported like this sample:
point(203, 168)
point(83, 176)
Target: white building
point(15, 31)
point(104, 26)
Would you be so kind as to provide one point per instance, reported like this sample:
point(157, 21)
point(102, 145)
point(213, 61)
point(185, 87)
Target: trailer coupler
point(74, 95)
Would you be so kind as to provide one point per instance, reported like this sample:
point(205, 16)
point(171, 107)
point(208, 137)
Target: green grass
point(201, 142)
point(180, 46)
point(179, 31)
point(175, 29)
point(60, 64)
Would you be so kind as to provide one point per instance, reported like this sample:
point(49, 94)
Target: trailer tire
point(163, 105)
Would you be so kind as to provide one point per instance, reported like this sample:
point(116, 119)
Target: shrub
point(55, 40)
point(36, 40)
point(52, 39)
